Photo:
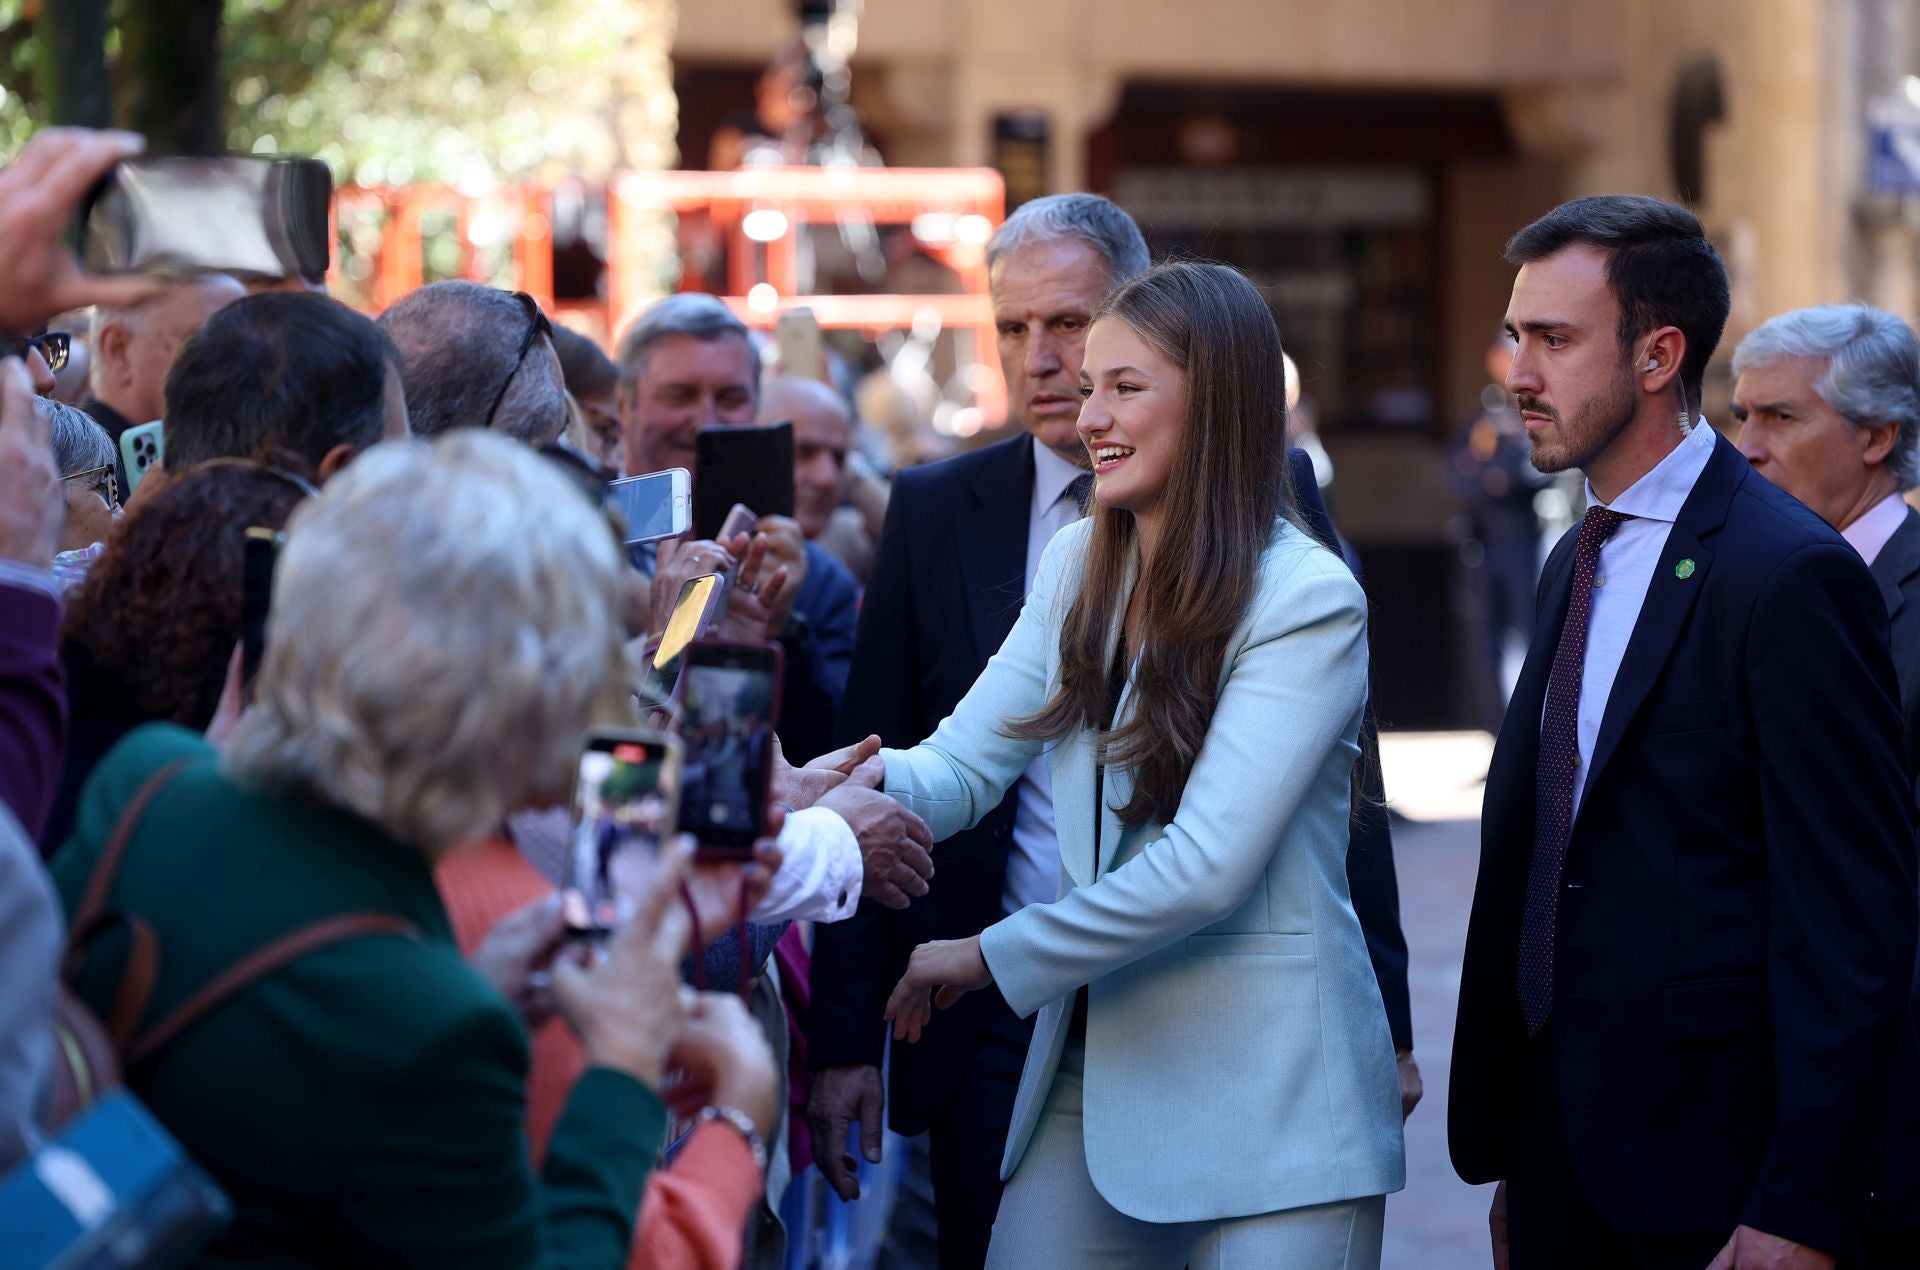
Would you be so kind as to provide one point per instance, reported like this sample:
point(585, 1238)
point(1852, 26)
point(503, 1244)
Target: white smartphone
point(657, 505)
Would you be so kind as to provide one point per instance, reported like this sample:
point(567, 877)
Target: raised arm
point(1291, 704)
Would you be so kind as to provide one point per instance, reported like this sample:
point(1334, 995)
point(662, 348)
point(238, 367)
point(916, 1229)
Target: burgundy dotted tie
point(1553, 794)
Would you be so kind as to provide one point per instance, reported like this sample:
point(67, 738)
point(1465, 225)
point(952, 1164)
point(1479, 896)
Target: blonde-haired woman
point(445, 625)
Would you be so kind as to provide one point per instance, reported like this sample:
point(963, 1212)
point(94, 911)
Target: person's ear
point(331, 462)
point(1880, 440)
point(109, 348)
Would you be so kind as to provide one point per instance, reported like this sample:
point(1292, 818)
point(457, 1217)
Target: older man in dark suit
point(1828, 401)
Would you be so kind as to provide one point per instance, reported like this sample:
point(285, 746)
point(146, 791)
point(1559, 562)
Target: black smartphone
point(729, 707)
point(741, 465)
point(693, 612)
point(257, 217)
point(625, 804)
point(260, 551)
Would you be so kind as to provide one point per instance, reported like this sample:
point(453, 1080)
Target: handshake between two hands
point(895, 845)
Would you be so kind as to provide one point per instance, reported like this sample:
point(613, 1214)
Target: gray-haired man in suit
point(1828, 401)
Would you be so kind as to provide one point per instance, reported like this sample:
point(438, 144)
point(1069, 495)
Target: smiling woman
point(1203, 963)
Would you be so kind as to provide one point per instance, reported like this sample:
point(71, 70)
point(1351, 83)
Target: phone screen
point(624, 807)
point(728, 710)
point(650, 505)
point(691, 613)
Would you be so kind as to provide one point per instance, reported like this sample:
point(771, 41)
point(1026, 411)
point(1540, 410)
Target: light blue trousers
point(1052, 1218)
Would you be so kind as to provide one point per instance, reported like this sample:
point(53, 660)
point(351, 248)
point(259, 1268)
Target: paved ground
point(1438, 1222)
point(1434, 780)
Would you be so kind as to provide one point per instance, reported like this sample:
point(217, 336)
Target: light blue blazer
point(1237, 1060)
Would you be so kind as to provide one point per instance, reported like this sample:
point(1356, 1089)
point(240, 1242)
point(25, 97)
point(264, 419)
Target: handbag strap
point(93, 900)
point(260, 963)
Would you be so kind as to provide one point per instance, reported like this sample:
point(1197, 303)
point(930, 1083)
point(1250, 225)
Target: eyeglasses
point(537, 325)
point(107, 484)
point(53, 347)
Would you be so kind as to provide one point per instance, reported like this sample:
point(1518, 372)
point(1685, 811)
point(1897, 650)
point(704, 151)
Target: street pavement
point(1438, 1222)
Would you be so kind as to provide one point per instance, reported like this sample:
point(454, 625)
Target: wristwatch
point(739, 1120)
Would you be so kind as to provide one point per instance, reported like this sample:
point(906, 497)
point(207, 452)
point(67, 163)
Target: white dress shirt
point(1033, 866)
point(1869, 534)
point(1627, 562)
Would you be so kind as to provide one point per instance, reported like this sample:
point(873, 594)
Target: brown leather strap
point(93, 900)
point(262, 962)
point(137, 977)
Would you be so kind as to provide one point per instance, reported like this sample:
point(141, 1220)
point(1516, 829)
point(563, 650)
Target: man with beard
point(1693, 935)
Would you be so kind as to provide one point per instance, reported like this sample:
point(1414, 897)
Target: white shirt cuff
point(820, 873)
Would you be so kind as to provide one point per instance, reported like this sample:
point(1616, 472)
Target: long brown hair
point(1229, 484)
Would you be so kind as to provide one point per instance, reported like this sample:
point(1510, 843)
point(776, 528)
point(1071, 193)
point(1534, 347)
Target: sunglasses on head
point(53, 347)
point(537, 325)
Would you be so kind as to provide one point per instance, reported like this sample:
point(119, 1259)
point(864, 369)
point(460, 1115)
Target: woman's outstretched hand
point(954, 966)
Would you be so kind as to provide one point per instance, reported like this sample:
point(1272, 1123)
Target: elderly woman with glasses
point(83, 452)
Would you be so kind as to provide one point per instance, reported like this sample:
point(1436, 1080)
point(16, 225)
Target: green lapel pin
point(1684, 569)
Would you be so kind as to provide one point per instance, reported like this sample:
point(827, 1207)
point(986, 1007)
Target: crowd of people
point(303, 836)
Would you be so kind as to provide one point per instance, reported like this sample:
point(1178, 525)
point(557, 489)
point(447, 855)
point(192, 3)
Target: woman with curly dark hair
point(150, 633)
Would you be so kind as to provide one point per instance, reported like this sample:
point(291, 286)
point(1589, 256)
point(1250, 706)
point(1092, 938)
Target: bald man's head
point(133, 348)
point(822, 433)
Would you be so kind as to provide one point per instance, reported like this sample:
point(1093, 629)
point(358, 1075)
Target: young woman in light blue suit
point(1211, 1081)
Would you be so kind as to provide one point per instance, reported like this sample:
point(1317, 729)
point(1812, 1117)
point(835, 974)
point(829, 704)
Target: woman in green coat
point(446, 624)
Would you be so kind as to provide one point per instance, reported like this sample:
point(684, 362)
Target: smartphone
point(803, 350)
point(140, 448)
point(625, 805)
point(657, 505)
point(260, 217)
point(260, 551)
point(740, 520)
point(693, 612)
point(753, 466)
point(729, 707)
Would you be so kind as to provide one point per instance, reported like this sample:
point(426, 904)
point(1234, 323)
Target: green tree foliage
point(392, 91)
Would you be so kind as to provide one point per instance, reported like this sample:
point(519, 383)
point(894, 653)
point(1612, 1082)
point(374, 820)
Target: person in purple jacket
point(39, 277)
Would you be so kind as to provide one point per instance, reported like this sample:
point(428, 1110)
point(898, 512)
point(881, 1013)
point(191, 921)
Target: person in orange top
point(694, 1213)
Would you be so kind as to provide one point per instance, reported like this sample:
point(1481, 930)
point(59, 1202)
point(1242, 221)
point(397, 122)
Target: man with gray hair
point(688, 364)
point(1828, 400)
point(478, 357)
point(132, 347)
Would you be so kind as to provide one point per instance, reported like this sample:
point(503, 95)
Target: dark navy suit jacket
point(948, 580)
point(1737, 923)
